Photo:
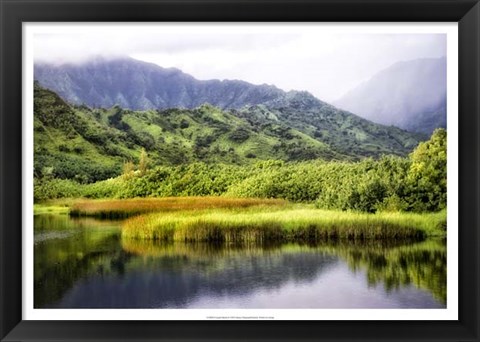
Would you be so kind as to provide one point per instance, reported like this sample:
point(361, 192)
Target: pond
point(84, 263)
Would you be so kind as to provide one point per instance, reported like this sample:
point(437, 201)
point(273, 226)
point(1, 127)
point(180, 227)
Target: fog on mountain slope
point(138, 85)
point(410, 95)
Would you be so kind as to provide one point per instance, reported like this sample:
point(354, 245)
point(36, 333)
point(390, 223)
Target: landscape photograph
point(195, 166)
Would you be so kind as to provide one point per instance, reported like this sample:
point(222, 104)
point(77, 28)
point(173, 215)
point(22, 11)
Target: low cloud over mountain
point(410, 95)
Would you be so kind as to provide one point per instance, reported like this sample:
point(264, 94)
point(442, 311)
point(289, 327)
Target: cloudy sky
point(326, 60)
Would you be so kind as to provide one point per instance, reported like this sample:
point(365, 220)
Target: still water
point(84, 263)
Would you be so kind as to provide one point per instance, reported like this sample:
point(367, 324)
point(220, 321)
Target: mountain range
point(89, 144)
point(138, 85)
point(411, 95)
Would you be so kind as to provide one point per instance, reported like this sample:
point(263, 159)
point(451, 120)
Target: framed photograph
point(239, 170)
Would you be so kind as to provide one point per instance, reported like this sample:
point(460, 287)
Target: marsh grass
point(124, 208)
point(290, 224)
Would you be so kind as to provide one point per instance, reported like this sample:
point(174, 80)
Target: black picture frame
point(15, 12)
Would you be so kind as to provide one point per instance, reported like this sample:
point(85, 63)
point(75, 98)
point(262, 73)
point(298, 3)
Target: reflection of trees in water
point(393, 264)
point(423, 265)
point(55, 222)
point(96, 269)
point(60, 262)
point(173, 280)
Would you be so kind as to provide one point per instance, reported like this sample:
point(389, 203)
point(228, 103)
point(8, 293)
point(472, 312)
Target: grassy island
point(290, 223)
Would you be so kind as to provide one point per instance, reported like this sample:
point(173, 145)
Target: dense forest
point(327, 157)
point(415, 183)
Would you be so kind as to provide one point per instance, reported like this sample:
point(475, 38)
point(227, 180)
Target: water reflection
point(422, 264)
point(87, 265)
point(67, 250)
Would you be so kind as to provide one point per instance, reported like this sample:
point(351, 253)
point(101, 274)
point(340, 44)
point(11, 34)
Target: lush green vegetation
point(117, 154)
point(281, 224)
point(417, 183)
point(291, 173)
point(87, 145)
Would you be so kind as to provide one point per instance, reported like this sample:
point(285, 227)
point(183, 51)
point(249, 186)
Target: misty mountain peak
point(409, 94)
point(102, 82)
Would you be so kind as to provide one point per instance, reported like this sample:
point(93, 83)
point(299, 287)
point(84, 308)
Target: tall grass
point(284, 225)
point(119, 209)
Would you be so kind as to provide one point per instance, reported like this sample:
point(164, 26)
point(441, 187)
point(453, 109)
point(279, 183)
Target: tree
point(427, 176)
point(128, 169)
point(143, 162)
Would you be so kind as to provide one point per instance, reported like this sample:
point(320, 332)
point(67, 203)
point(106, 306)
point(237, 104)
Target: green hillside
point(344, 132)
point(87, 145)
